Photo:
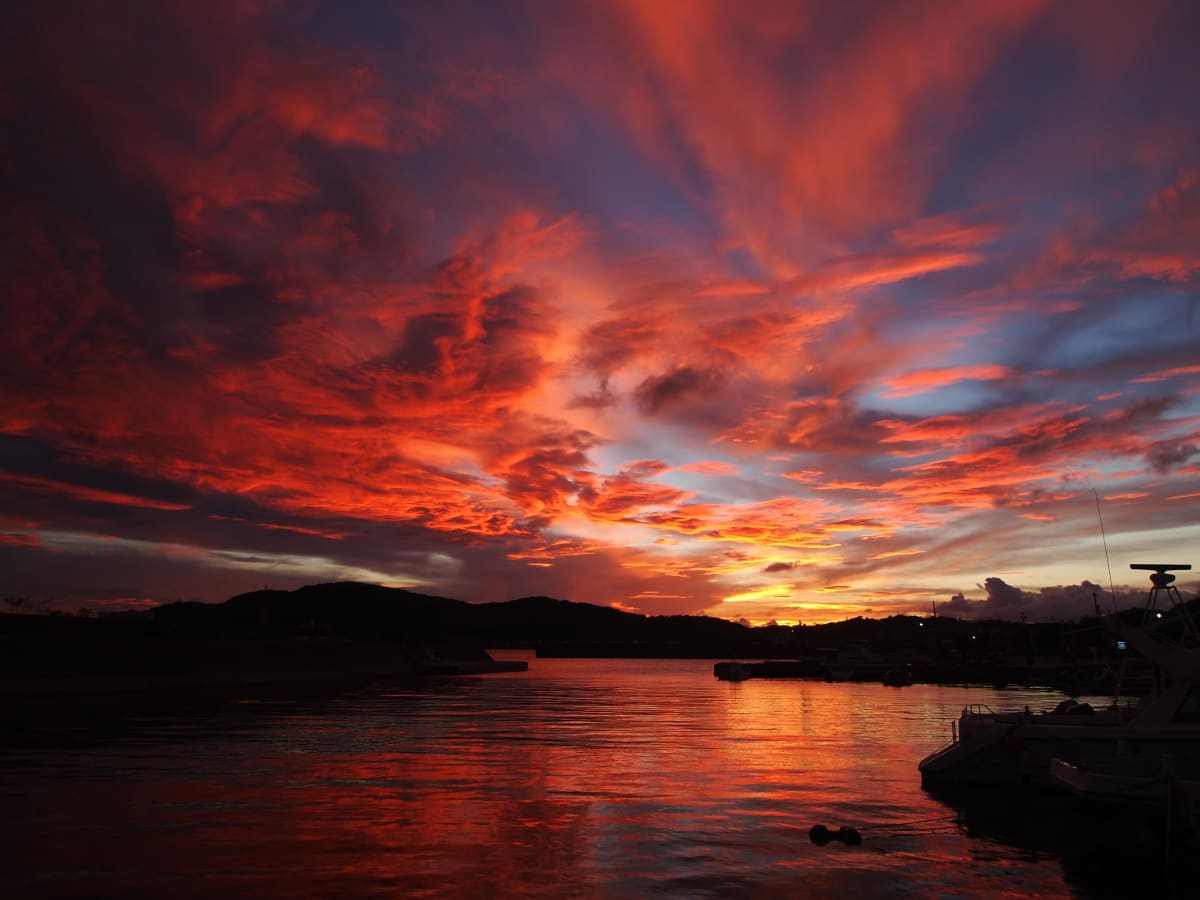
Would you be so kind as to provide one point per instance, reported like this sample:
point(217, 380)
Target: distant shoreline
point(70, 666)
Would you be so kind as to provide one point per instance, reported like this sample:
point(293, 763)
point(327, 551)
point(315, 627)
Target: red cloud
point(82, 492)
point(1166, 374)
point(705, 77)
point(28, 541)
point(1162, 242)
point(452, 290)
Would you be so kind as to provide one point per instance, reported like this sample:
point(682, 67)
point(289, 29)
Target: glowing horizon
point(769, 313)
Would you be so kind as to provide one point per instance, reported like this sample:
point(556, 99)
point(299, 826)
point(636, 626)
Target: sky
point(774, 311)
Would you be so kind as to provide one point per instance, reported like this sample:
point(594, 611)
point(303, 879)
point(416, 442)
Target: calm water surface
point(578, 778)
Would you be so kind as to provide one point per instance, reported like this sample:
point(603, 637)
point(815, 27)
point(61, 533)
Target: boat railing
point(979, 709)
point(975, 709)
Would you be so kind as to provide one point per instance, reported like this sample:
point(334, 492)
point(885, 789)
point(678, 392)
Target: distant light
point(1120, 645)
point(1159, 615)
point(920, 624)
point(972, 637)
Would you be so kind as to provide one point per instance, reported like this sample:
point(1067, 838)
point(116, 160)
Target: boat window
point(1189, 709)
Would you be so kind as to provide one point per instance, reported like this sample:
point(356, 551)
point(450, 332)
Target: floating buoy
point(820, 835)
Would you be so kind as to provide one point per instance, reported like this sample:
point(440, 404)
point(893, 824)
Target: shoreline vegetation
point(350, 632)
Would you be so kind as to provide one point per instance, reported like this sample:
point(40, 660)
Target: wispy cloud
point(668, 306)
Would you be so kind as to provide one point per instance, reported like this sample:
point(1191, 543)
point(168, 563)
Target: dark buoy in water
point(820, 835)
point(849, 836)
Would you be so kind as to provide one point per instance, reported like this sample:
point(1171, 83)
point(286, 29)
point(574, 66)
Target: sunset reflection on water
point(580, 778)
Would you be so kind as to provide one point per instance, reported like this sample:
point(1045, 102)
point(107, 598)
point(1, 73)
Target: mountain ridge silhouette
point(360, 610)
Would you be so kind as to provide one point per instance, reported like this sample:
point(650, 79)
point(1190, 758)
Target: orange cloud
point(924, 380)
point(712, 467)
point(893, 554)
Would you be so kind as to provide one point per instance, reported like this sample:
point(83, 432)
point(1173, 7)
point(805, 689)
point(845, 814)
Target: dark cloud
point(602, 398)
point(660, 392)
point(609, 345)
point(1066, 603)
point(1165, 457)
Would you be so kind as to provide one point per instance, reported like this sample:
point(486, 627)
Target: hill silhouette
point(349, 609)
point(360, 611)
point(350, 629)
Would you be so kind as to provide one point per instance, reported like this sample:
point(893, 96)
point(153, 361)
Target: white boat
point(1133, 778)
point(989, 747)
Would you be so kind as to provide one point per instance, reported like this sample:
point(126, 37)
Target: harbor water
point(577, 778)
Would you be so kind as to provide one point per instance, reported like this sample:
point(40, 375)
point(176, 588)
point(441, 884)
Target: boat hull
point(1012, 749)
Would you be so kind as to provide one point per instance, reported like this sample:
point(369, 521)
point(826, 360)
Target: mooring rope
point(944, 818)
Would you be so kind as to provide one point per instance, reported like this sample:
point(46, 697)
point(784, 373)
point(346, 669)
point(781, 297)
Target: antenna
point(1112, 591)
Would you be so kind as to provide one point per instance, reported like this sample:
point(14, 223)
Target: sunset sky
point(790, 311)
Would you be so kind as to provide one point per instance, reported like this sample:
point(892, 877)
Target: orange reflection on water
point(578, 778)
